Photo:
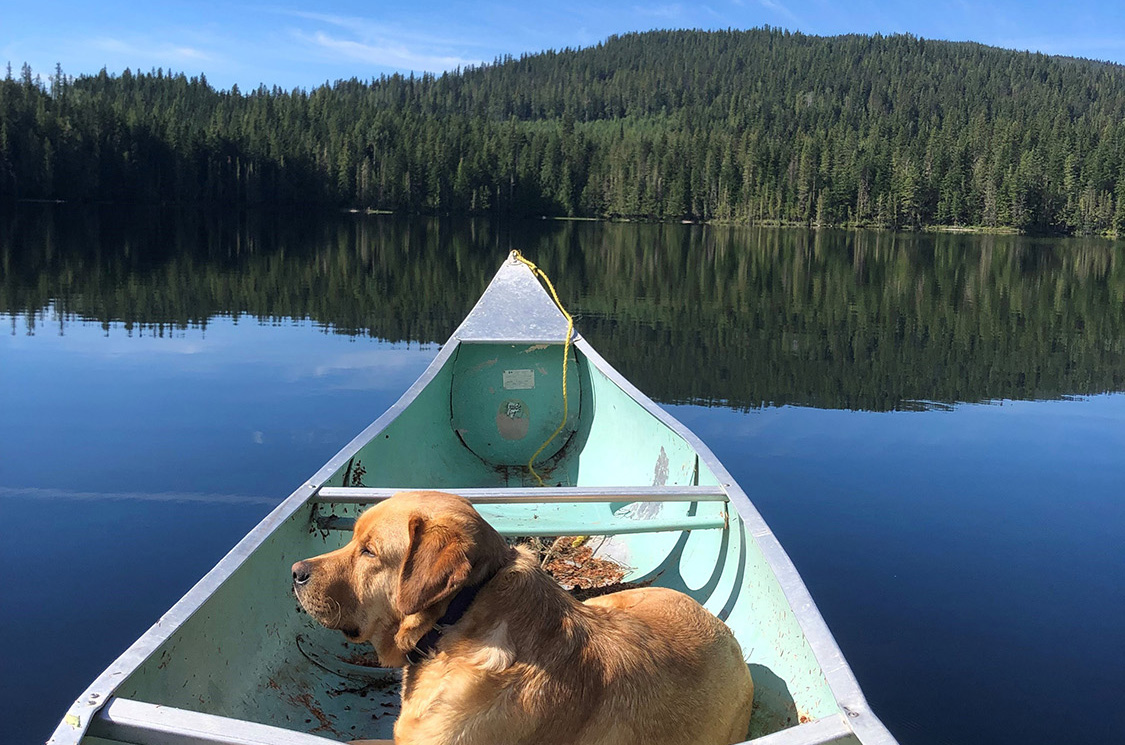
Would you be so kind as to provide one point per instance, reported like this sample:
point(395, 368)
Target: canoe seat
point(567, 510)
point(140, 723)
point(520, 495)
point(535, 524)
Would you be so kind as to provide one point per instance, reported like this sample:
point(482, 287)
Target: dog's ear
point(435, 567)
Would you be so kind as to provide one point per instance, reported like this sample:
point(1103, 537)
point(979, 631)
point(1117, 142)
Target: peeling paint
point(660, 471)
point(485, 364)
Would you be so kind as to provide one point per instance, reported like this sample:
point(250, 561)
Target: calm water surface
point(931, 425)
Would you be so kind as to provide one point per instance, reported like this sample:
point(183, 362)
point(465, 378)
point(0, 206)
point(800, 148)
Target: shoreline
point(763, 223)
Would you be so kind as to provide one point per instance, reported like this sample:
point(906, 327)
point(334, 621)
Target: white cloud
point(150, 51)
point(669, 11)
point(387, 45)
point(368, 29)
point(386, 368)
point(780, 9)
point(385, 52)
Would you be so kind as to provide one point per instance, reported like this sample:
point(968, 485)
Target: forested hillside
point(736, 125)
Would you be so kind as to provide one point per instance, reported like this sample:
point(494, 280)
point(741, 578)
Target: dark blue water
point(132, 464)
point(969, 562)
point(949, 485)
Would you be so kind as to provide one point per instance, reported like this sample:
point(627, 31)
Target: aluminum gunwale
point(841, 680)
point(827, 729)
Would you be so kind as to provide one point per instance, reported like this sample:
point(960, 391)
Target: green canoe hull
point(238, 656)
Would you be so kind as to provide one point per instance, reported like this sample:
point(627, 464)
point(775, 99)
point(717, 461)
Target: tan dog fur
point(527, 663)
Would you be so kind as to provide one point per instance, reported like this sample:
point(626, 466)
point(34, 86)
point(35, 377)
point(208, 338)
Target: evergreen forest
point(760, 126)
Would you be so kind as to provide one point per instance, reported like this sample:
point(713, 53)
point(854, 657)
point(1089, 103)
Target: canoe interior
point(250, 652)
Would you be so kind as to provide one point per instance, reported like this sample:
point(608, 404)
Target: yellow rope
point(566, 359)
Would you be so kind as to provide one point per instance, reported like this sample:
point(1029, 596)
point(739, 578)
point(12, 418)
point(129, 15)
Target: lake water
point(932, 425)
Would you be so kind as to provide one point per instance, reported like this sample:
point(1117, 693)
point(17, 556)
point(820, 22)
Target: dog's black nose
point(301, 572)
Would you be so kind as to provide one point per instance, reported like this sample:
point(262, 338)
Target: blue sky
point(305, 44)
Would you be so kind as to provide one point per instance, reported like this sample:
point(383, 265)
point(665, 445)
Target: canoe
point(237, 661)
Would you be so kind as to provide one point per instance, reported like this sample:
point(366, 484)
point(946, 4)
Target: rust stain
point(545, 469)
point(485, 365)
point(363, 691)
point(366, 659)
point(306, 700)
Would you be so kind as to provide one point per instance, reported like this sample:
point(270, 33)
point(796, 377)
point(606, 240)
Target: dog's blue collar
point(457, 608)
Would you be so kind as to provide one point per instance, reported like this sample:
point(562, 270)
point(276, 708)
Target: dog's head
point(408, 556)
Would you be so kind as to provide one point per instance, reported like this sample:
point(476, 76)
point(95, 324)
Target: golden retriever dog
point(497, 653)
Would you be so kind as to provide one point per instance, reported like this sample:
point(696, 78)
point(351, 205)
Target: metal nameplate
point(519, 380)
